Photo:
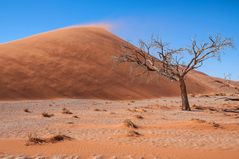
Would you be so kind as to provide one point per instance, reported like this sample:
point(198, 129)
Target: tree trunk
point(184, 95)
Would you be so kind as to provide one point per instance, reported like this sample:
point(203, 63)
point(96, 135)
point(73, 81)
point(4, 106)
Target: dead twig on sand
point(34, 140)
point(44, 114)
point(66, 111)
point(128, 123)
point(132, 133)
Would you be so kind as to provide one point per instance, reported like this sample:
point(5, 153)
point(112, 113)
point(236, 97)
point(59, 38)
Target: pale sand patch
point(86, 149)
point(165, 131)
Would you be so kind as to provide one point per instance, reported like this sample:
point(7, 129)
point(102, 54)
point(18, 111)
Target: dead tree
point(158, 57)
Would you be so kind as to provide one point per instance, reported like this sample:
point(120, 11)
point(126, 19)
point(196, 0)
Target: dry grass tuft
point(98, 110)
point(128, 123)
point(75, 116)
point(139, 117)
point(27, 110)
point(198, 107)
point(66, 111)
point(34, 140)
point(46, 115)
point(220, 94)
point(57, 138)
point(198, 120)
point(215, 125)
point(139, 110)
point(132, 133)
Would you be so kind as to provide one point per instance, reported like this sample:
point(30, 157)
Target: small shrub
point(75, 116)
point(46, 115)
point(198, 120)
point(139, 117)
point(66, 111)
point(58, 138)
point(215, 125)
point(27, 110)
point(33, 140)
point(198, 107)
point(132, 133)
point(128, 123)
point(220, 94)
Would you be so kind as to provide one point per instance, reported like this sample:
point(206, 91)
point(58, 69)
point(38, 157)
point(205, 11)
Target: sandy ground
point(166, 132)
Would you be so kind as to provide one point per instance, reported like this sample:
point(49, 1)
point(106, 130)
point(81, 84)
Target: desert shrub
point(215, 125)
point(75, 116)
point(46, 115)
point(66, 111)
point(132, 133)
point(139, 116)
point(27, 110)
point(33, 140)
point(58, 138)
point(198, 120)
point(128, 123)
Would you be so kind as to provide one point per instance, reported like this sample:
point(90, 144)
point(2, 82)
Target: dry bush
point(215, 125)
point(132, 133)
point(66, 111)
point(203, 95)
point(128, 123)
point(57, 138)
point(198, 120)
point(98, 110)
point(198, 107)
point(34, 140)
point(27, 110)
point(139, 110)
point(139, 117)
point(220, 94)
point(46, 115)
point(75, 116)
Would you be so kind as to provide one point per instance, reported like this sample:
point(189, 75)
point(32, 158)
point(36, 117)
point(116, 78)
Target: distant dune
point(78, 62)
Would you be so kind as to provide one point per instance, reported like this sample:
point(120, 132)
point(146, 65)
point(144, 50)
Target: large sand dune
point(78, 62)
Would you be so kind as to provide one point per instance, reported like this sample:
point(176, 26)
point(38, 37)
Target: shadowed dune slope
point(78, 62)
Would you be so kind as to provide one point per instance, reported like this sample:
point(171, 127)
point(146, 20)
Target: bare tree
point(157, 56)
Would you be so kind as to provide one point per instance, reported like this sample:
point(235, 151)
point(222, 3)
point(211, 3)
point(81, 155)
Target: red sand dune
point(78, 62)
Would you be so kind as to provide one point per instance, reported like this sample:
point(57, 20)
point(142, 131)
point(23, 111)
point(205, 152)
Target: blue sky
point(173, 20)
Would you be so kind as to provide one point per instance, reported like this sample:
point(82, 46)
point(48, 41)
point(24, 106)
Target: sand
point(99, 132)
point(78, 62)
point(74, 68)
